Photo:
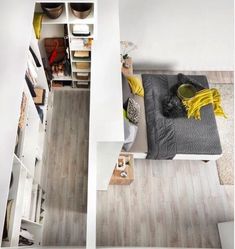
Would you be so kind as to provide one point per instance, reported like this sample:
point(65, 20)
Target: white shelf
point(74, 59)
point(16, 194)
point(62, 78)
point(26, 201)
point(74, 47)
point(30, 134)
point(21, 132)
point(36, 224)
point(18, 162)
point(38, 171)
point(33, 202)
point(82, 82)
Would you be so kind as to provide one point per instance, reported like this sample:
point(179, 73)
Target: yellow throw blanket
point(203, 98)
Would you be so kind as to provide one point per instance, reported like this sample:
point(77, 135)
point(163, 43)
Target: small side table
point(117, 179)
point(128, 71)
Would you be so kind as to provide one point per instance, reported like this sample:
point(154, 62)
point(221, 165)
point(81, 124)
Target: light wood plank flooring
point(169, 204)
point(65, 170)
point(212, 76)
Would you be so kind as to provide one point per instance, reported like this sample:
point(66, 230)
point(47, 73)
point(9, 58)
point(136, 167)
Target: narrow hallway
point(65, 171)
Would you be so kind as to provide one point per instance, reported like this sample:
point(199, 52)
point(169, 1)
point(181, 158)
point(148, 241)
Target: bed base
point(140, 155)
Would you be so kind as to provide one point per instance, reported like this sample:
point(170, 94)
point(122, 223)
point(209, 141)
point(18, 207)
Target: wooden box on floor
point(117, 179)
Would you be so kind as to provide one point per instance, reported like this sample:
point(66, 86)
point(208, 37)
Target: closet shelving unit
point(26, 193)
point(55, 28)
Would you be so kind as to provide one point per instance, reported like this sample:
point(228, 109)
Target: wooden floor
point(65, 171)
point(169, 204)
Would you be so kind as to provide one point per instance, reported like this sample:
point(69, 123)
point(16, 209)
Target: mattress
point(193, 137)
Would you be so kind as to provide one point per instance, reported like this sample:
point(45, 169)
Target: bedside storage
point(128, 71)
point(117, 179)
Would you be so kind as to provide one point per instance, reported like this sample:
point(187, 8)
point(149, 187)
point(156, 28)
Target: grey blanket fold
point(168, 137)
point(160, 130)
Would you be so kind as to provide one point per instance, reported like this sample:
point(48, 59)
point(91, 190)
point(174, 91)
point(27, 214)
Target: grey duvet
point(168, 137)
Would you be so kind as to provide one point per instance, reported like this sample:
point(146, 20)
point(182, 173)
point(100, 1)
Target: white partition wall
point(15, 30)
point(107, 154)
point(106, 133)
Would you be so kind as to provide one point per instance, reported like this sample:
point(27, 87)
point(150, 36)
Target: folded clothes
point(25, 242)
point(81, 54)
point(82, 65)
point(25, 238)
point(27, 235)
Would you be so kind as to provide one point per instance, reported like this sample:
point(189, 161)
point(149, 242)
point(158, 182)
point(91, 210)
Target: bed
point(192, 140)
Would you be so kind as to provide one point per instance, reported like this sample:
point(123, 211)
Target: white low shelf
point(26, 193)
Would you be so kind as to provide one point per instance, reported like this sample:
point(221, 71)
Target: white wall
point(107, 156)
point(106, 117)
point(226, 233)
point(15, 30)
point(179, 35)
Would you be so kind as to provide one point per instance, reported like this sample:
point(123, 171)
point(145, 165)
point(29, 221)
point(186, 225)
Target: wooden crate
point(117, 179)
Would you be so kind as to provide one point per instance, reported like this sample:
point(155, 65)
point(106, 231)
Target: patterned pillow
point(133, 111)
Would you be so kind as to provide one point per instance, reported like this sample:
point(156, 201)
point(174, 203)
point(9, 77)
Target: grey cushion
point(133, 111)
point(126, 92)
point(130, 131)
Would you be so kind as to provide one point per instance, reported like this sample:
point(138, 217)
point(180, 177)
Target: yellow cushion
point(37, 24)
point(136, 85)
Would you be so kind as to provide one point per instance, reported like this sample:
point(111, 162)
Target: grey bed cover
point(168, 137)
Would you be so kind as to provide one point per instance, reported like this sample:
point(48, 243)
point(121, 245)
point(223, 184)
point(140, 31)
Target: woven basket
point(81, 10)
point(52, 10)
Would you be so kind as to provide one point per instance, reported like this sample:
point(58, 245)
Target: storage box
point(81, 54)
point(40, 96)
point(83, 76)
point(82, 65)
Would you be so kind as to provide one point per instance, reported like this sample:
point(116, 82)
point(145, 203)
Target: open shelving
point(26, 195)
point(15, 195)
point(54, 28)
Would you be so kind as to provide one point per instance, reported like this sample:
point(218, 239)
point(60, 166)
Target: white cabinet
point(25, 195)
point(226, 233)
point(54, 28)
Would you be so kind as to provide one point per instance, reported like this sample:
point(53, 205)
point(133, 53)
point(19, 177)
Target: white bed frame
point(201, 157)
